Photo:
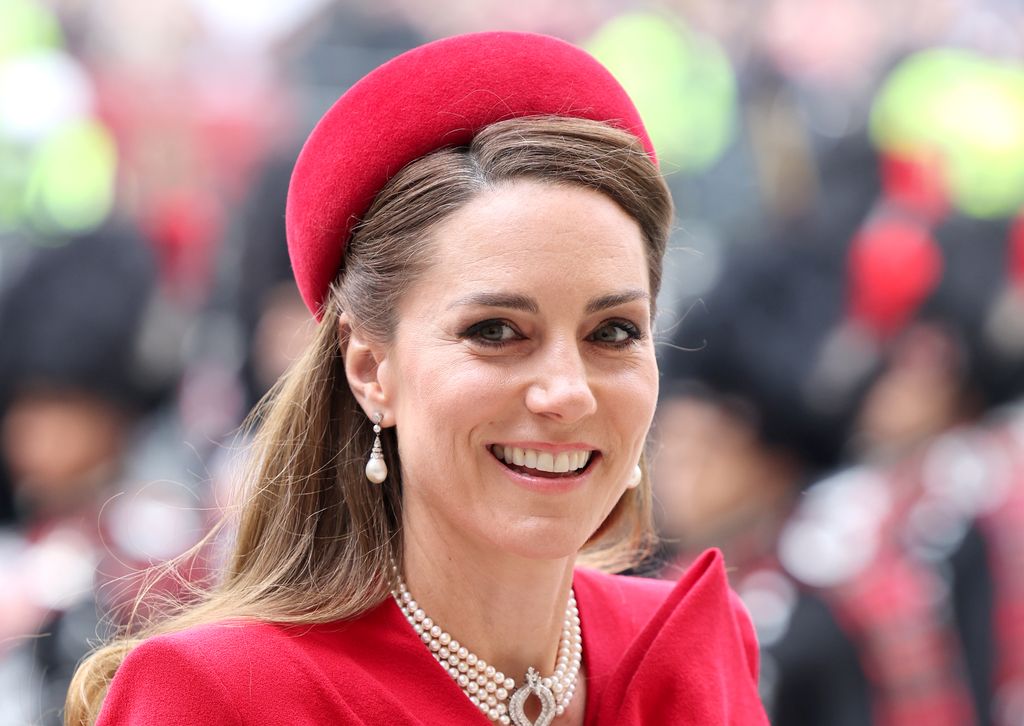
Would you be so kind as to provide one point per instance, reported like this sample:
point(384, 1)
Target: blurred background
point(841, 329)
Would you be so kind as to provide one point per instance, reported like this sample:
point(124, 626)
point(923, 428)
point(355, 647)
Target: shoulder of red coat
point(631, 602)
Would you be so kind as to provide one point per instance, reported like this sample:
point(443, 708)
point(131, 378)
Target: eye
point(491, 332)
point(616, 333)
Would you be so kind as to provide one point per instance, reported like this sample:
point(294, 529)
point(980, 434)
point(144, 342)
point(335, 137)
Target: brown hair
point(314, 538)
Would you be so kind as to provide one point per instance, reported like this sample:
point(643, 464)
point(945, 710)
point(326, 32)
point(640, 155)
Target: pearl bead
point(559, 710)
point(501, 694)
point(463, 653)
point(462, 667)
point(463, 681)
point(445, 639)
point(472, 687)
point(435, 631)
point(504, 720)
point(427, 623)
point(471, 659)
point(376, 471)
point(492, 714)
point(498, 677)
point(509, 684)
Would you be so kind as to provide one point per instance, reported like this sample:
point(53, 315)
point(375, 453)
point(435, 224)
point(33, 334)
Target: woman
point(490, 318)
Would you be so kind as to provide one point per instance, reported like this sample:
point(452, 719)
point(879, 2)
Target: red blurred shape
point(184, 225)
point(916, 183)
point(893, 265)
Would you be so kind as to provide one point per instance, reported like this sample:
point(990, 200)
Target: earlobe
point(363, 367)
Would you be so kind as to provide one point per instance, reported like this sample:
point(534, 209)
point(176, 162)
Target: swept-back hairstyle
point(314, 539)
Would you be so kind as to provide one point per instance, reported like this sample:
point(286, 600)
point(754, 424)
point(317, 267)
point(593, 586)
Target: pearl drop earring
point(376, 469)
point(634, 481)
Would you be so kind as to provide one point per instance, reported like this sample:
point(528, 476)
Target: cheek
point(441, 397)
point(632, 396)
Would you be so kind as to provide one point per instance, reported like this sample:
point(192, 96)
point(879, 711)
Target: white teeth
point(561, 463)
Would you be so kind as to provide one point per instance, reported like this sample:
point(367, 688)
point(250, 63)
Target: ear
point(364, 366)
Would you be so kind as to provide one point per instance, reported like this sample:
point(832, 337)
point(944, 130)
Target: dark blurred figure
point(738, 440)
point(953, 477)
point(769, 378)
point(76, 383)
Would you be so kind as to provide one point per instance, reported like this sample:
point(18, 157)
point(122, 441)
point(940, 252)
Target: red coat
point(654, 653)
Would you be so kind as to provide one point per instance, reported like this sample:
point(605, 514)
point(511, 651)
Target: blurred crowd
point(841, 328)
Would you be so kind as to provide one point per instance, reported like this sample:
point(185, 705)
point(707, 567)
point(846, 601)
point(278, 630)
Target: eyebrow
point(614, 299)
point(499, 300)
point(527, 304)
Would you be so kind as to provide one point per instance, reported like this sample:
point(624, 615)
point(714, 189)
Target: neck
point(506, 609)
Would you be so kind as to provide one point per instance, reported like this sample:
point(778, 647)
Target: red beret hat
point(440, 94)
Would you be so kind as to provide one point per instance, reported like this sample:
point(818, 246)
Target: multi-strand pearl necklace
point(490, 690)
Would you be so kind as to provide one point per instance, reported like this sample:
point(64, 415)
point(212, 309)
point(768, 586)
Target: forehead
point(539, 238)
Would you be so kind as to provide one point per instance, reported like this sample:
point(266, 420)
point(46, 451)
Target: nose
point(561, 388)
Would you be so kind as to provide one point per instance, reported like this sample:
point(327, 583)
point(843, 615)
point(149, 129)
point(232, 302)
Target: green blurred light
point(26, 26)
point(682, 84)
point(972, 110)
point(71, 186)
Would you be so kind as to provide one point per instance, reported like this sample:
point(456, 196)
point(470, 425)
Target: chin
point(540, 539)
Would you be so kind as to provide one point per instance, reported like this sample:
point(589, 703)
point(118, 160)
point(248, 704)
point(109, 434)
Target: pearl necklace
point(488, 688)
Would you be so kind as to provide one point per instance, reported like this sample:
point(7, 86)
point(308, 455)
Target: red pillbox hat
point(440, 94)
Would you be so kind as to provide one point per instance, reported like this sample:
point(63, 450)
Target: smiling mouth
point(543, 464)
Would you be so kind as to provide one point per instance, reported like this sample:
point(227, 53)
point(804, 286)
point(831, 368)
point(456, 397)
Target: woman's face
point(522, 378)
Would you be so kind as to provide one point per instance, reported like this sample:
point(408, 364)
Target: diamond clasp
point(534, 687)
